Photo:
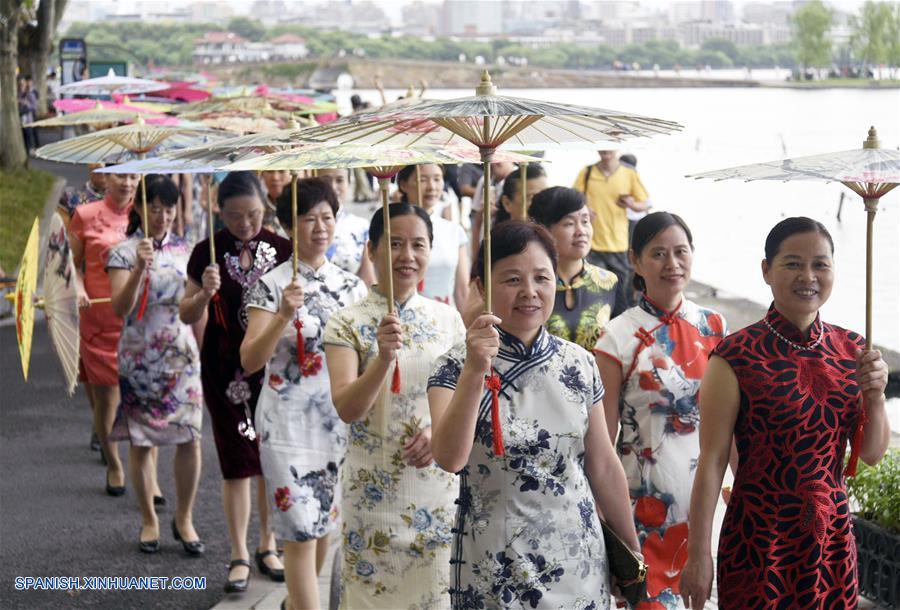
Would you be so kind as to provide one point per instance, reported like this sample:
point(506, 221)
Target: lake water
point(730, 219)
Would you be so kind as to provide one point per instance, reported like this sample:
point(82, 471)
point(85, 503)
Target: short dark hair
point(395, 210)
point(511, 186)
point(310, 193)
point(555, 203)
point(240, 184)
point(512, 237)
point(158, 187)
point(793, 226)
point(628, 160)
point(404, 174)
point(649, 227)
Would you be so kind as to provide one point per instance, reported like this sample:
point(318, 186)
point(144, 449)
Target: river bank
point(400, 73)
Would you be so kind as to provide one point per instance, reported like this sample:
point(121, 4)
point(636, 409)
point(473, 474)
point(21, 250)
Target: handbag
point(629, 569)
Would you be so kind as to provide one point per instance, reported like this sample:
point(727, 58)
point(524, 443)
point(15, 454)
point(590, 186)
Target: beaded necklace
point(796, 346)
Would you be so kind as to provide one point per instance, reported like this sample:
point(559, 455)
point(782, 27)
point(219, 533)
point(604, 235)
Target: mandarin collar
point(381, 299)
point(157, 245)
point(511, 345)
point(787, 328)
point(667, 317)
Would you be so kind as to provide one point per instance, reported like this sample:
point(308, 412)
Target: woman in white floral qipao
point(517, 413)
point(397, 504)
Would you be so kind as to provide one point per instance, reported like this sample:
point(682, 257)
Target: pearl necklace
point(796, 346)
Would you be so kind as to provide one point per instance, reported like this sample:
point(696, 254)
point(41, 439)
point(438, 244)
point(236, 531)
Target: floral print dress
point(397, 518)
point(594, 292)
point(159, 362)
point(662, 356)
point(301, 438)
point(527, 533)
point(350, 236)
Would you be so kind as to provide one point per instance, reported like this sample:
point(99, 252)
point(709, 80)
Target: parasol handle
point(40, 303)
point(418, 186)
point(871, 208)
point(296, 254)
point(384, 185)
point(486, 156)
point(523, 182)
point(211, 221)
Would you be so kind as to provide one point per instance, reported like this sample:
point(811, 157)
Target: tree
point(870, 31)
point(893, 37)
point(724, 46)
point(813, 45)
point(251, 29)
point(36, 45)
point(12, 153)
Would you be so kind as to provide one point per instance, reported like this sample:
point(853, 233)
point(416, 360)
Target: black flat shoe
point(195, 547)
point(276, 574)
point(238, 586)
point(102, 457)
point(95, 442)
point(115, 491)
point(159, 502)
point(148, 546)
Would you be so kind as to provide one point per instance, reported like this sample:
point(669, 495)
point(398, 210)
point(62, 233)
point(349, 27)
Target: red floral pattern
point(650, 511)
point(665, 557)
point(283, 499)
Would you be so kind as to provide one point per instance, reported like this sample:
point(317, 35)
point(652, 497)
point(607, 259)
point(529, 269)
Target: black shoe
point(276, 574)
point(102, 457)
point(149, 546)
point(159, 502)
point(115, 491)
point(95, 442)
point(195, 547)
point(238, 586)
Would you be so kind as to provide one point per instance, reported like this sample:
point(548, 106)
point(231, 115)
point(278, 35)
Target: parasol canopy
point(98, 115)
point(122, 143)
point(60, 302)
point(111, 83)
point(26, 283)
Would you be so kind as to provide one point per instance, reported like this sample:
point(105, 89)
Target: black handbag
point(629, 569)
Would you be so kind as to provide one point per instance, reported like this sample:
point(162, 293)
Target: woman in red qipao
point(788, 389)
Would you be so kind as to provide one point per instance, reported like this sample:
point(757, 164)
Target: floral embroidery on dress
point(264, 257)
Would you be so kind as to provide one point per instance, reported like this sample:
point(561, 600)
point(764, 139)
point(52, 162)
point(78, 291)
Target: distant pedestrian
point(611, 189)
point(28, 104)
point(74, 196)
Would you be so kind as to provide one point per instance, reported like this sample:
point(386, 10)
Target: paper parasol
point(26, 283)
point(60, 301)
point(489, 121)
point(98, 115)
point(870, 172)
point(383, 162)
point(112, 83)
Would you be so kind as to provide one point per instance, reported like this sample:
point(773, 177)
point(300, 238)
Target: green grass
point(23, 194)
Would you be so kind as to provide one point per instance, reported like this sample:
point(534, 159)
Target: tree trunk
point(12, 153)
point(36, 45)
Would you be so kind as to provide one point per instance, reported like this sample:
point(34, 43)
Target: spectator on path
point(28, 103)
point(499, 171)
point(611, 189)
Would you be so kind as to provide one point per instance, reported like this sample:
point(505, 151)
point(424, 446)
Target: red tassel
point(145, 296)
point(395, 380)
point(493, 384)
point(219, 312)
point(421, 285)
point(856, 444)
point(301, 348)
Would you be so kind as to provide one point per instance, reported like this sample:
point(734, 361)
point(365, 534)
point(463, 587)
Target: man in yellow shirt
point(611, 189)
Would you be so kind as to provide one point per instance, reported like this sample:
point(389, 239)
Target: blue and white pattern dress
point(301, 438)
point(527, 533)
point(350, 236)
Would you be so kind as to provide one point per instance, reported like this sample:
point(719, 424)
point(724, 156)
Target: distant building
point(472, 18)
point(221, 48)
point(288, 46)
point(421, 18)
point(777, 13)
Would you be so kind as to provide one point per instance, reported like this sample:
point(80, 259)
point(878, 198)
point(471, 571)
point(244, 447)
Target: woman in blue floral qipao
point(517, 413)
